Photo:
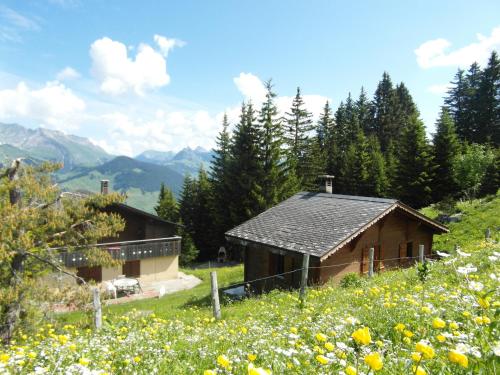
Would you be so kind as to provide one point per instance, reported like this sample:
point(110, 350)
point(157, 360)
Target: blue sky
point(154, 74)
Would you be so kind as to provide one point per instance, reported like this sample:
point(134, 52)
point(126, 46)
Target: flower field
point(394, 323)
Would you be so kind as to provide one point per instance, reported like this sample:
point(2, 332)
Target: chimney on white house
point(104, 187)
point(327, 186)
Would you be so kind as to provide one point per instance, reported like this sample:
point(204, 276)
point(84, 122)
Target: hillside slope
point(140, 181)
point(46, 144)
point(398, 322)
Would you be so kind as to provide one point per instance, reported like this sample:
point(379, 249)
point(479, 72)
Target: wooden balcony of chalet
point(127, 250)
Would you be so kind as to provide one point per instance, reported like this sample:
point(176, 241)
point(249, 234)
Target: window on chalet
point(409, 249)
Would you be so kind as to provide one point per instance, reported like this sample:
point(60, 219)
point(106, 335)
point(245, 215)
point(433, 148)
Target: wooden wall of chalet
point(387, 236)
point(140, 227)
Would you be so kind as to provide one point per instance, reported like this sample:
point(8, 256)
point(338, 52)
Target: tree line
point(374, 147)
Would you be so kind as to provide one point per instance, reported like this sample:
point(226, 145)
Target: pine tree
point(324, 128)
point(188, 205)
point(472, 78)
point(219, 178)
point(455, 103)
point(203, 235)
point(377, 182)
point(445, 148)
point(488, 103)
point(273, 168)
point(325, 139)
point(491, 179)
point(245, 173)
point(167, 207)
point(363, 108)
point(297, 135)
point(414, 173)
point(391, 168)
point(406, 109)
point(354, 166)
point(352, 120)
point(385, 112)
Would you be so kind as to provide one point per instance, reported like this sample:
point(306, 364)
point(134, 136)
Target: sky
point(133, 76)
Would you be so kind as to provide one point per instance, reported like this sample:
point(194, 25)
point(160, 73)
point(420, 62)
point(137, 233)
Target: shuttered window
point(364, 260)
point(90, 273)
point(402, 253)
point(132, 268)
point(379, 256)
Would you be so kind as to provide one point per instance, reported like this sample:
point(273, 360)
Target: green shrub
point(351, 279)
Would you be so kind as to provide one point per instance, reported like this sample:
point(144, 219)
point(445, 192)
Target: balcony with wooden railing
point(127, 250)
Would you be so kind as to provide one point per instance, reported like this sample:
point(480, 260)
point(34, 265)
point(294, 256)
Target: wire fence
point(248, 283)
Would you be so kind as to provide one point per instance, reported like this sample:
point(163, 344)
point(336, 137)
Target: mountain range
point(85, 164)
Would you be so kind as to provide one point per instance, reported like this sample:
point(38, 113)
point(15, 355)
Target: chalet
point(336, 231)
point(148, 248)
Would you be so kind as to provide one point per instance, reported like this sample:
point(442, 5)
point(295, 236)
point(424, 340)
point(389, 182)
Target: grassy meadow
point(439, 320)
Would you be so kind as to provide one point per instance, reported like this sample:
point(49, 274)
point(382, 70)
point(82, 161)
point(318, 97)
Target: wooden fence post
point(371, 258)
point(303, 280)
point(97, 308)
point(215, 295)
point(487, 234)
point(421, 253)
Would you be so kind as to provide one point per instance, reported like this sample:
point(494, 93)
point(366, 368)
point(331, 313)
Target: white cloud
point(67, 74)
point(12, 23)
point(252, 88)
point(53, 105)
point(439, 89)
point(118, 73)
point(130, 134)
point(433, 52)
point(166, 44)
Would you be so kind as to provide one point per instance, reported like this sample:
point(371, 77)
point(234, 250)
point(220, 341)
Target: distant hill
point(45, 144)
point(85, 164)
point(186, 161)
point(139, 180)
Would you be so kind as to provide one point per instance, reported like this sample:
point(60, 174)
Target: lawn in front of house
point(182, 304)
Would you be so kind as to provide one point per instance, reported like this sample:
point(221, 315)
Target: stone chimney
point(104, 187)
point(327, 186)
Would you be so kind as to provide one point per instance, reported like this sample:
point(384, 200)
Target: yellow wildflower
point(441, 338)
point(362, 336)
point(406, 340)
point(418, 370)
point(251, 357)
point(374, 361)
point(84, 361)
point(137, 359)
point(223, 361)
point(293, 330)
point(252, 370)
point(4, 357)
point(322, 359)
point(329, 346)
point(400, 327)
point(457, 357)
point(484, 302)
point(454, 325)
point(417, 357)
point(438, 323)
point(408, 333)
point(426, 350)
point(350, 370)
point(426, 310)
point(32, 355)
point(209, 372)
point(320, 337)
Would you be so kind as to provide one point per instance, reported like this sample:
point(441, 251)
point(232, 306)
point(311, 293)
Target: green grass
point(184, 304)
point(477, 216)
point(180, 337)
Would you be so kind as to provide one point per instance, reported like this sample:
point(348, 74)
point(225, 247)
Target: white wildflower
point(496, 349)
point(443, 255)
point(461, 253)
point(467, 269)
point(476, 286)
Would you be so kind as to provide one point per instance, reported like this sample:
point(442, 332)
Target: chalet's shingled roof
point(318, 223)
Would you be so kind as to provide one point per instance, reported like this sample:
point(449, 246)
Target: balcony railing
point(128, 250)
